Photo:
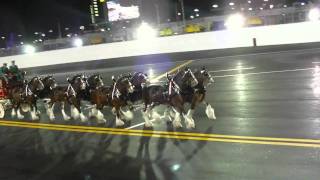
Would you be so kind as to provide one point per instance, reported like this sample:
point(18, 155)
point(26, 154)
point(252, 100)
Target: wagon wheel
point(2, 111)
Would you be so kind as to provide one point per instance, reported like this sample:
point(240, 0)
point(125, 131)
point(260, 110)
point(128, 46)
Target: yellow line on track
point(172, 70)
point(168, 133)
point(37, 126)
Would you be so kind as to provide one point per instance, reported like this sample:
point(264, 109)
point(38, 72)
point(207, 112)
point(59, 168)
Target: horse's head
point(36, 84)
point(49, 82)
point(189, 78)
point(204, 77)
point(78, 82)
point(140, 78)
point(123, 84)
point(95, 81)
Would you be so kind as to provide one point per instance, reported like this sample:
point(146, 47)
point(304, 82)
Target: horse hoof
point(52, 118)
point(210, 112)
point(102, 121)
point(177, 124)
point(190, 125)
point(148, 124)
point(119, 123)
point(20, 117)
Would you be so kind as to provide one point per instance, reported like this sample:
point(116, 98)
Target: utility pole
point(158, 13)
point(183, 13)
point(59, 30)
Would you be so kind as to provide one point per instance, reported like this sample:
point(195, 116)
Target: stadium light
point(145, 32)
point(235, 21)
point(215, 6)
point(314, 14)
point(77, 42)
point(28, 49)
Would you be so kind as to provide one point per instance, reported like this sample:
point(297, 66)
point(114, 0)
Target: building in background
point(98, 12)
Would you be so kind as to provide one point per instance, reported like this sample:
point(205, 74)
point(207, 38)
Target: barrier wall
point(265, 35)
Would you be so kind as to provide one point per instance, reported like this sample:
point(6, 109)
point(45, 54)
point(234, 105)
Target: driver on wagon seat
point(14, 70)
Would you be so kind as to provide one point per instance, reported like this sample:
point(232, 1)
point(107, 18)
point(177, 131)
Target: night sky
point(27, 16)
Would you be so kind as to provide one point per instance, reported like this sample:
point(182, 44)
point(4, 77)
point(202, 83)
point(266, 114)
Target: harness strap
point(28, 91)
point(114, 90)
point(70, 88)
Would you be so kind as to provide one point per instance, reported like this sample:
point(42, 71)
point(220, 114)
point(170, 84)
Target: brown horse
point(186, 80)
point(120, 96)
point(198, 94)
point(72, 94)
point(98, 95)
point(168, 95)
point(76, 92)
point(26, 95)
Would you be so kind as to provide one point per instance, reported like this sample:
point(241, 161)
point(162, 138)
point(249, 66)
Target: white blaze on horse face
point(83, 84)
point(131, 88)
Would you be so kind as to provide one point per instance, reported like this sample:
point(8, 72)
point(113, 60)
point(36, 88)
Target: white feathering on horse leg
point(128, 115)
point(51, 114)
point(210, 112)
point(119, 122)
point(145, 115)
point(33, 114)
point(166, 114)
point(156, 117)
point(100, 117)
point(83, 118)
point(190, 119)
point(13, 113)
point(177, 121)
point(75, 114)
point(20, 116)
point(113, 110)
point(65, 116)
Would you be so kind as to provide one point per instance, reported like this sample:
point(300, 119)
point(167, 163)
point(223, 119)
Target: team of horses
point(125, 92)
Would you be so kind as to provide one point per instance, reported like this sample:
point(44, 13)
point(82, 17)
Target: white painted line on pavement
point(235, 69)
point(266, 72)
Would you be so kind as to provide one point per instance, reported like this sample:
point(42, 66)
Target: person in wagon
point(4, 71)
point(14, 70)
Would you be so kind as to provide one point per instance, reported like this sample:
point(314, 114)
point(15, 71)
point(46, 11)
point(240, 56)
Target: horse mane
point(76, 76)
point(121, 78)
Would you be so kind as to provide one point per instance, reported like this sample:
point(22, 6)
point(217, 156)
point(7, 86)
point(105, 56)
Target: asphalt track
point(267, 127)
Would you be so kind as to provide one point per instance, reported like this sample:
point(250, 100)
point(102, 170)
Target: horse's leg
point(146, 116)
point(14, 110)
point(83, 118)
point(20, 116)
point(128, 115)
point(50, 111)
point(75, 114)
point(100, 116)
point(119, 122)
point(178, 107)
point(209, 111)
point(65, 116)
point(170, 113)
point(188, 118)
point(34, 117)
point(96, 111)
